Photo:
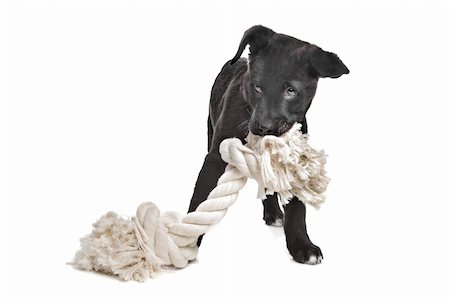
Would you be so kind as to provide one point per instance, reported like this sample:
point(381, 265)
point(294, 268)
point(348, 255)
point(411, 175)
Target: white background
point(105, 106)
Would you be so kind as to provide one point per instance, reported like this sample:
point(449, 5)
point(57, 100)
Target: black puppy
point(266, 94)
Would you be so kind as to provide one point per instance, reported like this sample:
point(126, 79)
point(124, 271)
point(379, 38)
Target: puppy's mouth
point(279, 130)
point(283, 128)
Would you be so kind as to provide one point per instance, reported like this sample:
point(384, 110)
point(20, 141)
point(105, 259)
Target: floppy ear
point(326, 64)
point(257, 37)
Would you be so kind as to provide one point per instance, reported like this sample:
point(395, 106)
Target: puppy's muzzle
point(266, 127)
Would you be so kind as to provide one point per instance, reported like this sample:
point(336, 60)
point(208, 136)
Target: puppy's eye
point(290, 92)
point(257, 88)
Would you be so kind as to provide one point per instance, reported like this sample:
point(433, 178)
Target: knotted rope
point(134, 249)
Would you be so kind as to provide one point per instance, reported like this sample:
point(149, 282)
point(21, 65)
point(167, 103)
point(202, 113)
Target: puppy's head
point(282, 78)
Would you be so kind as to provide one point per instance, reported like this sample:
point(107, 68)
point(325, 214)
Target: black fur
point(266, 94)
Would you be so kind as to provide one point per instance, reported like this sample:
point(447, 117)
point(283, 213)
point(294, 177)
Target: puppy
point(266, 94)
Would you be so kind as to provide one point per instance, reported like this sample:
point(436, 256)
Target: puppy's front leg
point(272, 212)
point(298, 243)
point(213, 167)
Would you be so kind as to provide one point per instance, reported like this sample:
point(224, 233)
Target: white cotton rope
point(134, 249)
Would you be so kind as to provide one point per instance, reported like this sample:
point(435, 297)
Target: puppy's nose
point(268, 128)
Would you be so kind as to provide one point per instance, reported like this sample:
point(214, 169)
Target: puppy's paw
point(308, 254)
point(274, 220)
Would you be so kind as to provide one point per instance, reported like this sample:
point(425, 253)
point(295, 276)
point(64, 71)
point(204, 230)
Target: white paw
point(278, 222)
point(314, 260)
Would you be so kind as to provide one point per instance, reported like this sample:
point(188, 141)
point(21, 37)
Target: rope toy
point(134, 249)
